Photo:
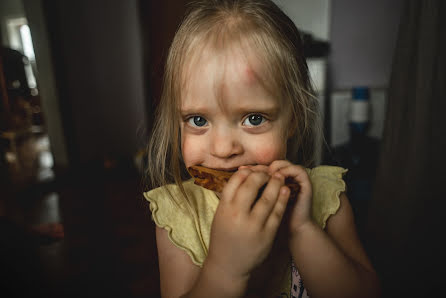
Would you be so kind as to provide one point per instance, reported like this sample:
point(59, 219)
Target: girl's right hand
point(243, 230)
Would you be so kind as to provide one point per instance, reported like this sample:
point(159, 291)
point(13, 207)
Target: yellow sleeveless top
point(189, 223)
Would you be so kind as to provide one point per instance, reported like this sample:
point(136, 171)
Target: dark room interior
point(76, 112)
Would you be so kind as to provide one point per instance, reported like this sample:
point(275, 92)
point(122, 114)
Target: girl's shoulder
point(186, 219)
point(171, 197)
point(328, 185)
point(330, 172)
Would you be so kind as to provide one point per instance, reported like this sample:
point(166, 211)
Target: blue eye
point(197, 121)
point(254, 120)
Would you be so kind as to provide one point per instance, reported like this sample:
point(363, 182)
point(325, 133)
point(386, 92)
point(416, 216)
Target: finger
point(248, 190)
point(265, 204)
point(233, 184)
point(277, 165)
point(273, 221)
point(300, 175)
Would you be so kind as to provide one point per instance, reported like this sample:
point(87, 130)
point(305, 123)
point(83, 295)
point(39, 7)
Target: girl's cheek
point(191, 150)
point(267, 155)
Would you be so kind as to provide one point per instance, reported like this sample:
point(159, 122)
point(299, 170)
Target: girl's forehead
point(227, 83)
point(229, 56)
point(234, 64)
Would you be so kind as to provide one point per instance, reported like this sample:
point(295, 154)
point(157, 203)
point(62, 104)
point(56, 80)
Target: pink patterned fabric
point(297, 286)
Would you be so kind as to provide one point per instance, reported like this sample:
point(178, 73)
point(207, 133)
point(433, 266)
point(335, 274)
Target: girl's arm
point(179, 277)
point(177, 272)
point(334, 263)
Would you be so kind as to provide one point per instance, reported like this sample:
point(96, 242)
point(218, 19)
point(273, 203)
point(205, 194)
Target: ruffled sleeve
point(187, 222)
point(327, 185)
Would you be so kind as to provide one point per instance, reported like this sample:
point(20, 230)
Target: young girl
point(237, 96)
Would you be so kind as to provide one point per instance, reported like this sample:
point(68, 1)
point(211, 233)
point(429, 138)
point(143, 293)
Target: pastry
point(215, 180)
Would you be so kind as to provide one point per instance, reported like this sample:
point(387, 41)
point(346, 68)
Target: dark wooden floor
point(109, 245)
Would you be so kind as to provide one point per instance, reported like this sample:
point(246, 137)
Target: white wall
point(309, 15)
point(363, 38)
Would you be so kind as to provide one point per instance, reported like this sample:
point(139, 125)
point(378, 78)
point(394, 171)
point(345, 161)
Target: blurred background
point(79, 84)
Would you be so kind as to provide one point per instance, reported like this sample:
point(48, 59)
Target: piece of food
point(209, 178)
point(215, 180)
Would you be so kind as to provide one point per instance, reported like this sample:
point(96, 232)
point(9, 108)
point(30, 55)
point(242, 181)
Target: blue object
point(359, 127)
point(360, 93)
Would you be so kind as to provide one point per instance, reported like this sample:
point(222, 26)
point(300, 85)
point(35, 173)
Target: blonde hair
point(277, 41)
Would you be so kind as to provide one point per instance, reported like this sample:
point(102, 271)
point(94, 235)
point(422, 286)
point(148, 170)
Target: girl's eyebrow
point(271, 110)
point(240, 110)
point(192, 111)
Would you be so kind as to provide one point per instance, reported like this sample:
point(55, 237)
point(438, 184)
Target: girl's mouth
point(226, 169)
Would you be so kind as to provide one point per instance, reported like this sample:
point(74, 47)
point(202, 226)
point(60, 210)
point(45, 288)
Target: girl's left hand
point(300, 213)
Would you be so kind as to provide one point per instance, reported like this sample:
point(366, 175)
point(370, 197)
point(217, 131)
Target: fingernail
point(278, 175)
point(284, 190)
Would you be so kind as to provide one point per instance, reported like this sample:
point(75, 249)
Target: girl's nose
point(225, 144)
